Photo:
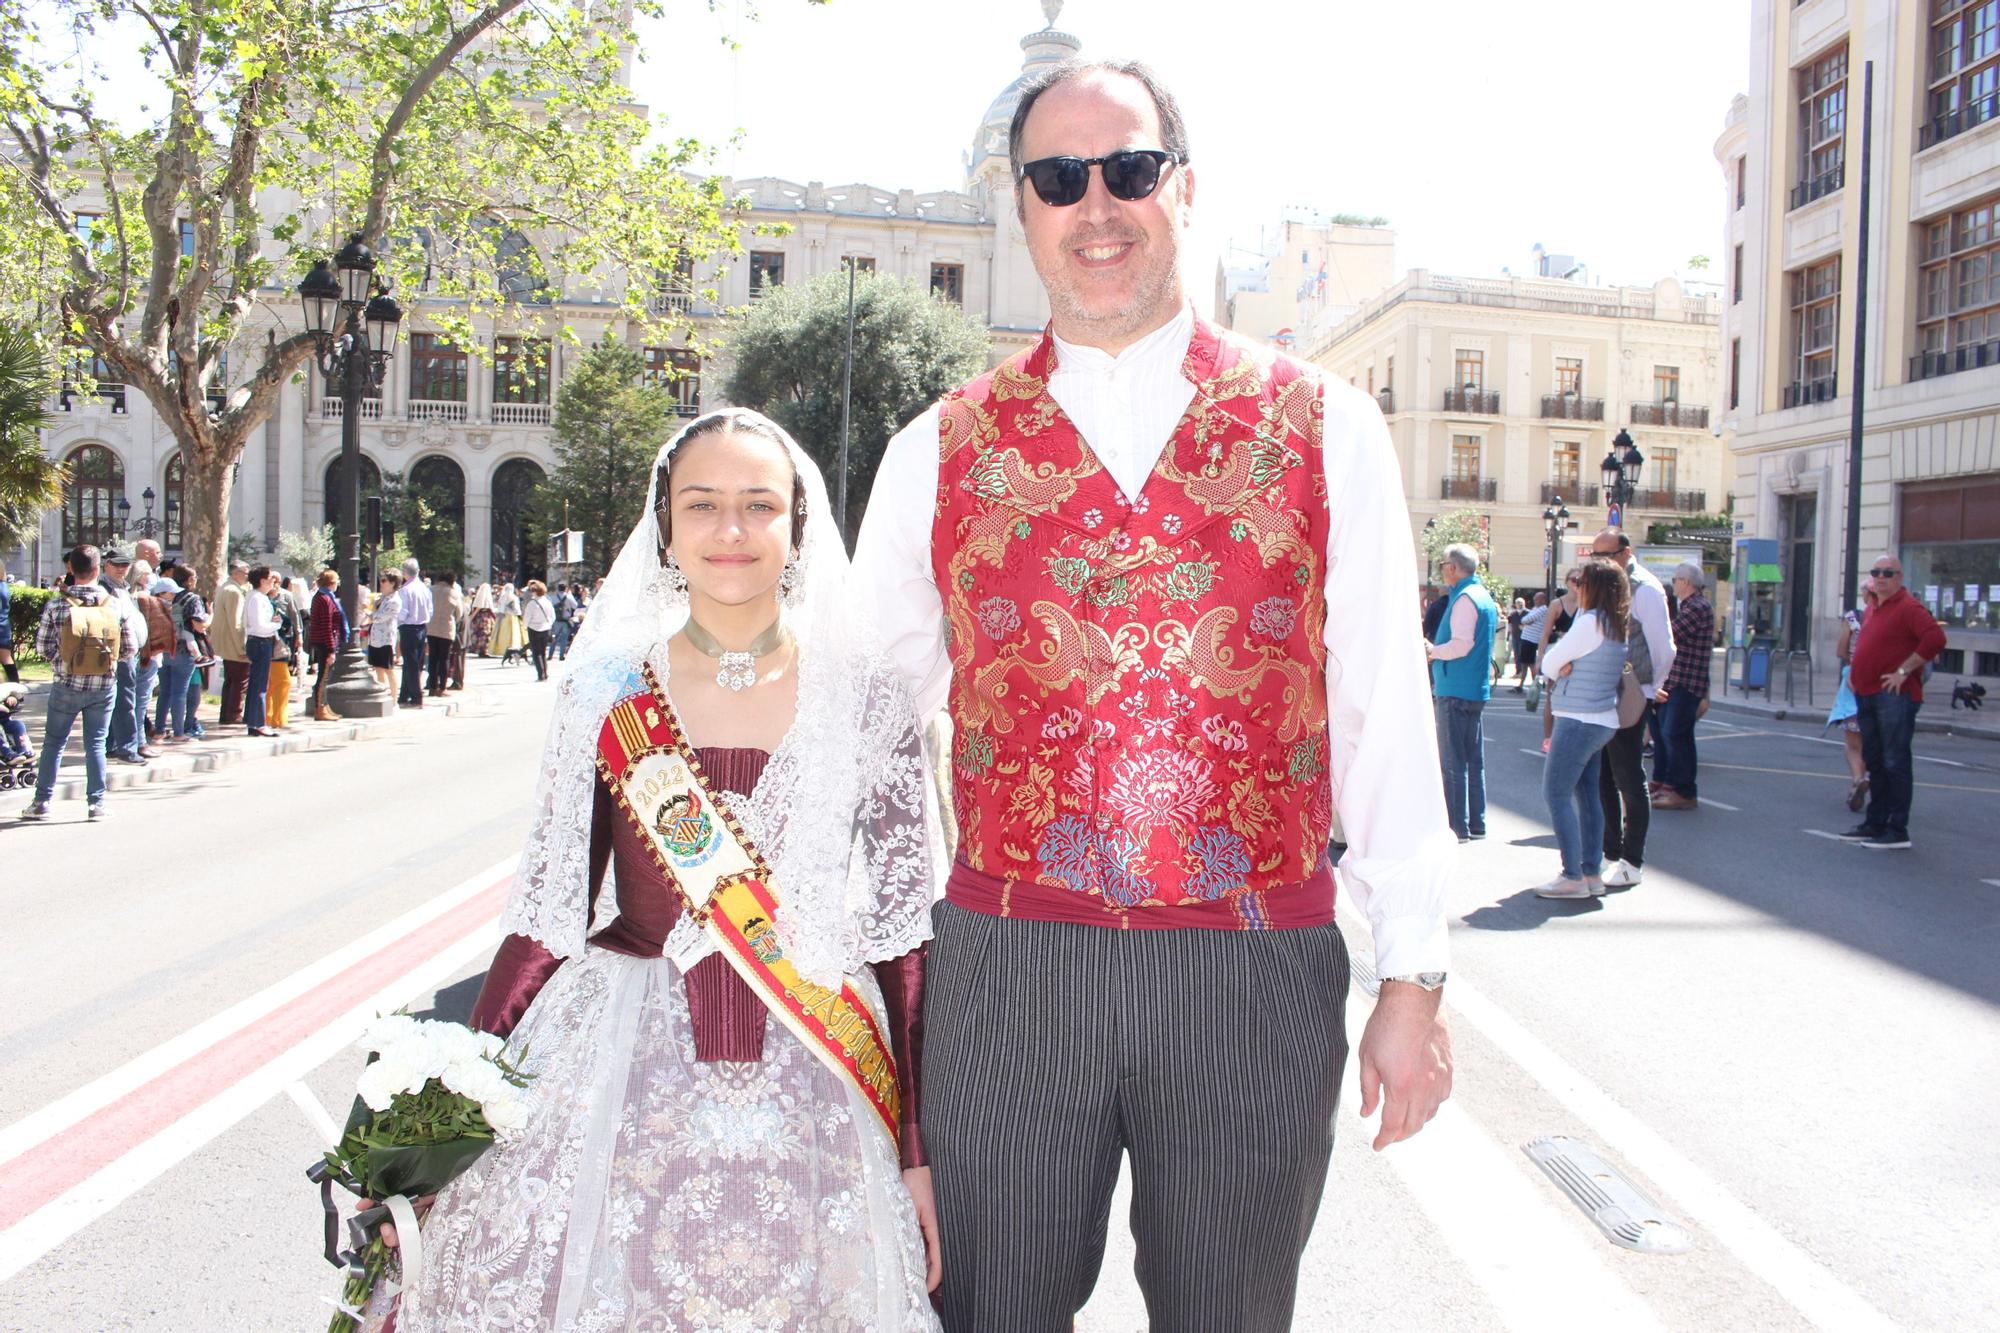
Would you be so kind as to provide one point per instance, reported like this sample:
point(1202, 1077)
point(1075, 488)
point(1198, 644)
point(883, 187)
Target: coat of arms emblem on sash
point(685, 827)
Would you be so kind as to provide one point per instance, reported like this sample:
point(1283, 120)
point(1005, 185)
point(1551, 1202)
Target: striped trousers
point(1051, 1050)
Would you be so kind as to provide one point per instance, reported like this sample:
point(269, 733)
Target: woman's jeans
point(177, 671)
point(260, 651)
point(1569, 785)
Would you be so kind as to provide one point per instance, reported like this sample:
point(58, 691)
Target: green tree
point(910, 346)
point(30, 481)
point(1464, 527)
point(490, 152)
point(429, 524)
point(609, 426)
point(306, 553)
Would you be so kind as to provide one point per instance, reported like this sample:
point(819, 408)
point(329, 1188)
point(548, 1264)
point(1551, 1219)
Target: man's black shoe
point(1863, 832)
point(1888, 841)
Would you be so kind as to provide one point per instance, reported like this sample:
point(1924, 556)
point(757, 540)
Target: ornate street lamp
point(124, 507)
point(1621, 471)
point(1555, 521)
point(355, 323)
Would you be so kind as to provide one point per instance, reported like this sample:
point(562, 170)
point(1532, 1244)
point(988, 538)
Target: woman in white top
point(539, 615)
point(382, 632)
point(1585, 665)
point(260, 644)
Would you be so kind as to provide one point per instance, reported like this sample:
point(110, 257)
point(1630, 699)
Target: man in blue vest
point(1461, 653)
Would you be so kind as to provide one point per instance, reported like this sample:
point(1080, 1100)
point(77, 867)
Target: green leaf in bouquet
point(419, 1169)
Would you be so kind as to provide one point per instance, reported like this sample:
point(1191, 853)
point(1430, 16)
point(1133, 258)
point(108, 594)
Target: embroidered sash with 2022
point(659, 786)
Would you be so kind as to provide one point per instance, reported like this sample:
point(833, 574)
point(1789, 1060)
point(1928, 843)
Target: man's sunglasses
point(1885, 573)
point(1130, 174)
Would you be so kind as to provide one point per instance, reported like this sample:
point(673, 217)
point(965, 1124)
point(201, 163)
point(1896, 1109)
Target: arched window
point(371, 484)
point(517, 531)
point(433, 514)
point(90, 498)
point(174, 525)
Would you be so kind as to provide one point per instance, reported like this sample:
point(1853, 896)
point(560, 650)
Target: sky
point(1477, 127)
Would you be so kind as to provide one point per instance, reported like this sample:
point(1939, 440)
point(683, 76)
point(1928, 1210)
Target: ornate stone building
point(1790, 154)
point(1505, 393)
point(476, 430)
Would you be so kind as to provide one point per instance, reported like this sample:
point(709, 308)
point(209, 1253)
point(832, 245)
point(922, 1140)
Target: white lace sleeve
point(898, 844)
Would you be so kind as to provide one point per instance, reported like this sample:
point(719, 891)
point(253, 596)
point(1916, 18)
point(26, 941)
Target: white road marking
point(1539, 754)
point(1809, 1286)
point(55, 1222)
point(1533, 1259)
point(1994, 882)
point(60, 1114)
point(1822, 833)
point(314, 1111)
point(1721, 805)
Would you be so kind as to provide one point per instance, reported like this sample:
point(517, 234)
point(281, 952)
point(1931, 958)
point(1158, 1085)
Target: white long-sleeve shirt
point(1649, 608)
point(260, 618)
point(1383, 744)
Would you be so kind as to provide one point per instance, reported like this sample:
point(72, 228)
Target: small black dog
point(1970, 693)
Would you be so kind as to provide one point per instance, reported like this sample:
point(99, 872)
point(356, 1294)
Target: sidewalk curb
point(324, 736)
point(1979, 731)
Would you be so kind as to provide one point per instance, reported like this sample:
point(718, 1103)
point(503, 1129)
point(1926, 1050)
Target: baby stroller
point(17, 757)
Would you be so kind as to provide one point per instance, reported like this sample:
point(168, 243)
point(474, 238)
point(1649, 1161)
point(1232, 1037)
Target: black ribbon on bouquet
point(361, 1227)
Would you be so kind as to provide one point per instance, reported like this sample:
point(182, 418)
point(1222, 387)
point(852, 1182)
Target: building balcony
point(109, 393)
point(1468, 488)
point(1569, 493)
point(1682, 502)
point(1930, 365)
point(1484, 402)
point(1951, 124)
point(437, 409)
point(332, 408)
point(1801, 393)
point(521, 414)
point(1685, 415)
point(1818, 187)
point(673, 301)
point(1386, 400)
point(1569, 407)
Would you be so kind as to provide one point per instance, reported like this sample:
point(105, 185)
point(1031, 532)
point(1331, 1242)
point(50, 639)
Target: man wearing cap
point(127, 734)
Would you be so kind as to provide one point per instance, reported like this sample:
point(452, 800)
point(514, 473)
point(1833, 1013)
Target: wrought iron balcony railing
point(1468, 488)
point(1569, 407)
point(1803, 392)
point(1686, 415)
point(1485, 402)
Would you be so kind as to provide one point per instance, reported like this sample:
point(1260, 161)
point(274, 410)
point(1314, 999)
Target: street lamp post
point(1621, 472)
point(357, 336)
point(1555, 521)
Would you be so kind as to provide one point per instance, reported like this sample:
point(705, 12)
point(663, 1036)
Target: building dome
point(1040, 49)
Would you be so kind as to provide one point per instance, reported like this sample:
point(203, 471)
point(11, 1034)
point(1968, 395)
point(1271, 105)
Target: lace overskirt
point(653, 1192)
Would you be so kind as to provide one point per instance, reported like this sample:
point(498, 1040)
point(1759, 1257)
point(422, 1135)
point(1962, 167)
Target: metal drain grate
point(1625, 1216)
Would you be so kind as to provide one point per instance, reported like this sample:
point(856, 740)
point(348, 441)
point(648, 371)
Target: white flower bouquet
point(433, 1098)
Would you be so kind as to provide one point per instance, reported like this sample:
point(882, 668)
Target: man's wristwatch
point(1428, 980)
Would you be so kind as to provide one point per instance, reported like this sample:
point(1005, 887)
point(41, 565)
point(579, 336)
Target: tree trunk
point(205, 519)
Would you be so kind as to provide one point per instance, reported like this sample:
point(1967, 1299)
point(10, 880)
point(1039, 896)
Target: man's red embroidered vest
point(1139, 688)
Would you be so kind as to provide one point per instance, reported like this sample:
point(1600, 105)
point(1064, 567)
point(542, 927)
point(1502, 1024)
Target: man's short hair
point(82, 559)
point(258, 573)
point(411, 569)
point(1693, 573)
point(1465, 557)
point(1173, 128)
point(242, 566)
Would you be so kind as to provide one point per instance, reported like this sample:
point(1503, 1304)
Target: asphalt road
point(1790, 1043)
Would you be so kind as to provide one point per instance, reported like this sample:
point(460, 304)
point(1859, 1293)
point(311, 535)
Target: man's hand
point(917, 1180)
point(1405, 1061)
point(1662, 695)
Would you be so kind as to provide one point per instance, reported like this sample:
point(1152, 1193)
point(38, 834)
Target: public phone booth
point(1757, 615)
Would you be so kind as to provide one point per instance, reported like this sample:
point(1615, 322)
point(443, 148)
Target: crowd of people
point(135, 646)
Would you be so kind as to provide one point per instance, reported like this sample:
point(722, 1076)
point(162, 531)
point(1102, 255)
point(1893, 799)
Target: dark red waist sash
point(1286, 907)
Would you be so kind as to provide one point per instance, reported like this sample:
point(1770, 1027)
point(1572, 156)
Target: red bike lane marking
point(73, 1155)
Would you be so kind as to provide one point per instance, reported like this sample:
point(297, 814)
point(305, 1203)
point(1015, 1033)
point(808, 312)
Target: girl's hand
point(421, 1205)
point(917, 1180)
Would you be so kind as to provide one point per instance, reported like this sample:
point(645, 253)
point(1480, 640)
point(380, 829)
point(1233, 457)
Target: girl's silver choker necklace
point(736, 671)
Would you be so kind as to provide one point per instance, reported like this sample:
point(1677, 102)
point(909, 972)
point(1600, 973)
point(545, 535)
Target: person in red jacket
point(326, 630)
point(1889, 654)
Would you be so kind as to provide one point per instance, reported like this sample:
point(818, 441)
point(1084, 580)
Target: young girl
point(697, 1158)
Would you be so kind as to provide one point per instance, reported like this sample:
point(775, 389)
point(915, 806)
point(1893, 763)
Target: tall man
point(126, 735)
point(227, 637)
point(413, 618)
point(1460, 651)
point(1685, 690)
point(1896, 640)
point(84, 637)
point(1621, 778)
point(1164, 590)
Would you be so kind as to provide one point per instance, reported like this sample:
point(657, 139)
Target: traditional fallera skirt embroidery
point(655, 1192)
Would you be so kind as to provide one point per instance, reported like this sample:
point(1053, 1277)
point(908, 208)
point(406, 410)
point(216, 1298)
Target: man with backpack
point(84, 636)
point(565, 624)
